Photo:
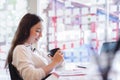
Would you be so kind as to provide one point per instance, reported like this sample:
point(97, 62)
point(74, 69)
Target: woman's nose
point(40, 34)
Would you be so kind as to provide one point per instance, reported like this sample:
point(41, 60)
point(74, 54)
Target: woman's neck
point(28, 42)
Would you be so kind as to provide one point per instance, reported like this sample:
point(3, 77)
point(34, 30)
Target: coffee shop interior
point(86, 31)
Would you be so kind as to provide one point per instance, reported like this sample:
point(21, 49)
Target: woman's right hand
point(58, 58)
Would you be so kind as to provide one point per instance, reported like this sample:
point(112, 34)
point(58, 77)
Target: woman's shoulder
point(20, 47)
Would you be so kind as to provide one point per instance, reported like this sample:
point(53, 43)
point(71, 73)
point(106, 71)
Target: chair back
point(14, 74)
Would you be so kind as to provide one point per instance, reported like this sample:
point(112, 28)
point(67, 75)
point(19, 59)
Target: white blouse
point(29, 63)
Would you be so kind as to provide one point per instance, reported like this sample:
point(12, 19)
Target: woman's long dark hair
point(22, 33)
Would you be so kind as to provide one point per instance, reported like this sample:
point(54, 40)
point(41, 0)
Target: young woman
point(30, 63)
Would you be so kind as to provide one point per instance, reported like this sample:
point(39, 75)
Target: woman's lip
point(36, 39)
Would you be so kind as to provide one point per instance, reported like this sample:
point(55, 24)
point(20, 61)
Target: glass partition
point(10, 14)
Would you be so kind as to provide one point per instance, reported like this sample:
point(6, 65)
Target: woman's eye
point(38, 30)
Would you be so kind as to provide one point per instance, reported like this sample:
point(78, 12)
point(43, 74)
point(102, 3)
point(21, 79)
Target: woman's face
point(35, 33)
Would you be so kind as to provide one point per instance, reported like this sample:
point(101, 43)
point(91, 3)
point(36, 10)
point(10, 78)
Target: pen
point(81, 66)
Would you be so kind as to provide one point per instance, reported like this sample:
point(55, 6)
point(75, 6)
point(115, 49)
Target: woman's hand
point(58, 58)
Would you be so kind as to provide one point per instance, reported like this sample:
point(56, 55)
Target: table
point(73, 71)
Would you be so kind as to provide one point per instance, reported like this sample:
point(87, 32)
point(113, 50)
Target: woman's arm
point(56, 61)
point(22, 60)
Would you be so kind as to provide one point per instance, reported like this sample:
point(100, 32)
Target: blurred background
point(81, 28)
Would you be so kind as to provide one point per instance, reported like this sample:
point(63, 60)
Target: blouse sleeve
point(45, 54)
point(22, 61)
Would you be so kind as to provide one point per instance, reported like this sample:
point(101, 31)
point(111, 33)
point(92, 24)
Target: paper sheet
point(76, 72)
